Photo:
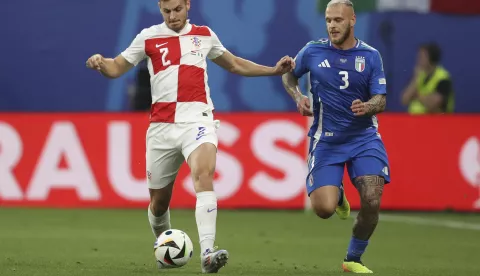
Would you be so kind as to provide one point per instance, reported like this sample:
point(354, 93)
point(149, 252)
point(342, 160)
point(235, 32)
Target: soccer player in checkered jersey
point(182, 125)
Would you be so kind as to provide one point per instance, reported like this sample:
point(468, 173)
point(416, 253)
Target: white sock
point(206, 216)
point(159, 224)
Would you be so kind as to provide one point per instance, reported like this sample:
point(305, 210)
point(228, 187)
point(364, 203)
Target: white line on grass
point(428, 222)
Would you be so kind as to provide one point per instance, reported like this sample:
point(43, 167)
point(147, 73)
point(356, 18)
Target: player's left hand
point(284, 65)
point(359, 108)
point(303, 106)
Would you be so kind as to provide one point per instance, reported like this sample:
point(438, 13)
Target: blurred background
point(50, 41)
point(71, 139)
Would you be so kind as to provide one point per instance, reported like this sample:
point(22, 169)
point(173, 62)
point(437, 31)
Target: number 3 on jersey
point(165, 61)
point(344, 79)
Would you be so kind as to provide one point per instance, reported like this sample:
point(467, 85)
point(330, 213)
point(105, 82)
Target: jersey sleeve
point(217, 46)
point(378, 83)
point(301, 63)
point(136, 51)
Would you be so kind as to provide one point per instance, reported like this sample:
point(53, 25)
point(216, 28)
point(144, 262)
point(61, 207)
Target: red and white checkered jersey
point(178, 70)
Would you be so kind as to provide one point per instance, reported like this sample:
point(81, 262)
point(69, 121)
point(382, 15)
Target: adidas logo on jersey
point(324, 64)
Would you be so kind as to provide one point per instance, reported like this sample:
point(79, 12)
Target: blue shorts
point(327, 162)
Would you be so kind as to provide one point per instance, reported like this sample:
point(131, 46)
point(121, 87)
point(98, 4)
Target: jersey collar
point(356, 46)
point(185, 30)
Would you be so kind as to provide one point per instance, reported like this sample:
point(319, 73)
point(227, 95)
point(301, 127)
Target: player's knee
point(324, 201)
point(203, 180)
point(371, 204)
point(371, 190)
point(202, 164)
point(324, 211)
point(204, 175)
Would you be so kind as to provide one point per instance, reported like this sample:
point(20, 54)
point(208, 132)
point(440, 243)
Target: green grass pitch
point(41, 242)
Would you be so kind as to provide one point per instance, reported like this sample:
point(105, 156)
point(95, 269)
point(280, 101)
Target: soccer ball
point(173, 249)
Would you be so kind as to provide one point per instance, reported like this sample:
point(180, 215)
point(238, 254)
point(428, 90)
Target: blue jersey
point(338, 77)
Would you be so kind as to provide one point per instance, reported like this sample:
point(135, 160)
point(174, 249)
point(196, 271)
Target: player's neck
point(349, 43)
point(180, 29)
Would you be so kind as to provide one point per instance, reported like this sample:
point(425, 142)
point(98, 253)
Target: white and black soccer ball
point(173, 248)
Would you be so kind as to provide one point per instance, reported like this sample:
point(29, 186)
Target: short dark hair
point(434, 52)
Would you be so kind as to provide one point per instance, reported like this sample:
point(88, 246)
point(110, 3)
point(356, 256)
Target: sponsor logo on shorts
point(149, 175)
point(201, 133)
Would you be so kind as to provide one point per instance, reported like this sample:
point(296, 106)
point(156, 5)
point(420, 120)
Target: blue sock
point(356, 248)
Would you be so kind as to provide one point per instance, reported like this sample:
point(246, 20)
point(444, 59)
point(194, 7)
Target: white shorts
point(169, 145)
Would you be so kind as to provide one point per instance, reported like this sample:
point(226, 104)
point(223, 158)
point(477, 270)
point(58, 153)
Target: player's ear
point(188, 4)
point(353, 21)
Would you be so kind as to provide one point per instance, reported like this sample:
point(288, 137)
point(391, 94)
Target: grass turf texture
point(38, 242)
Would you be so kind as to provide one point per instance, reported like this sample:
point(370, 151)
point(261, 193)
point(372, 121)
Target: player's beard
point(342, 39)
point(182, 24)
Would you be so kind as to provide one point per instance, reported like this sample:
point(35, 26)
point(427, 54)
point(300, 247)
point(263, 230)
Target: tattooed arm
point(290, 83)
point(374, 106)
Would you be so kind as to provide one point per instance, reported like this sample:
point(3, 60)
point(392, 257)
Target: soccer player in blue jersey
point(349, 88)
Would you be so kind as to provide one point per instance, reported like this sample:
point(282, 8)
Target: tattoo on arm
point(376, 105)
point(290, 83)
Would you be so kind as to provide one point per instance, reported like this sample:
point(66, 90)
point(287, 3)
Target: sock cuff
point(206, 198)
point(209, 194)
point(362, 242)
point(158, 220)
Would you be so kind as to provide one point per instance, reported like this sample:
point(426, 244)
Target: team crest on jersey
point(196, 42)
point(360, 64)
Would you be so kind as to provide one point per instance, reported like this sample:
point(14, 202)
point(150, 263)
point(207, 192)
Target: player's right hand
point(303, 106)
point(284, 65)
point(95, 62)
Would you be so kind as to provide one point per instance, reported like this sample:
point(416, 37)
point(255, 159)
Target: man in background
point(140, 93)
point(431, 89)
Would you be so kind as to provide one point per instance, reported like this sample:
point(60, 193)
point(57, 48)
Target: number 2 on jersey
point(344, 79)
point(164, 52)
